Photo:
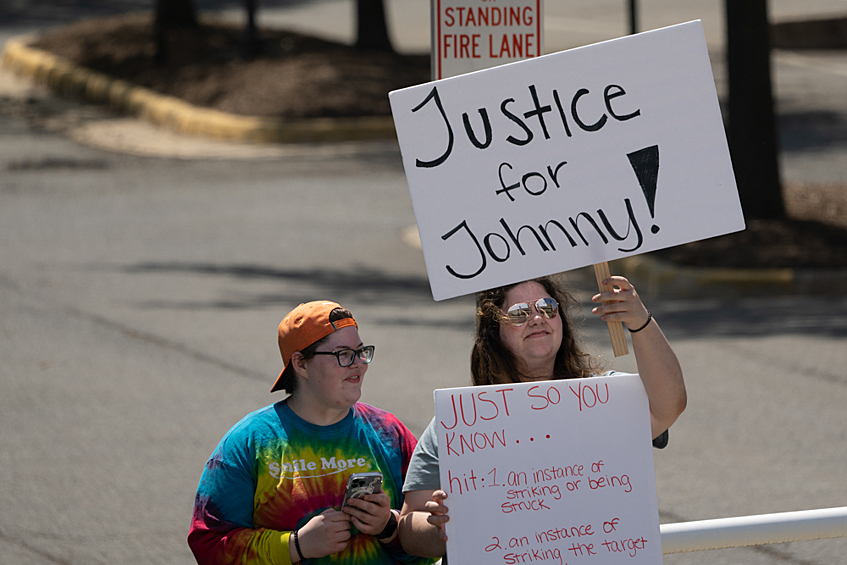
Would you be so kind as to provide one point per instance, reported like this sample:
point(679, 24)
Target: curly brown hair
point(493, 363)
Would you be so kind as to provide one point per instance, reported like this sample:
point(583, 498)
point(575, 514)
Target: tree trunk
point(372, 28)
point(171, 14)
point(251, 44)
point(752, 129)
point(176, 13)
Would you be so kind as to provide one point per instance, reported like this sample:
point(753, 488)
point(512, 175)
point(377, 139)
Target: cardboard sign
point(469, 35)
point(567, 160)
point(551, 472)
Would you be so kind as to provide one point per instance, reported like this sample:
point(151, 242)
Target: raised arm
point(657, 363)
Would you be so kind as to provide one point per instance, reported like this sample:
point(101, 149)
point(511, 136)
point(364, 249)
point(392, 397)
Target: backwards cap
point(303, 326)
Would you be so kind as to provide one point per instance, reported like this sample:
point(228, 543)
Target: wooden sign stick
point(601, 271)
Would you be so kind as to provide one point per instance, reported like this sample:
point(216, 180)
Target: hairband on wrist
point(389, 528)
point(649, 319)
point(297, 545)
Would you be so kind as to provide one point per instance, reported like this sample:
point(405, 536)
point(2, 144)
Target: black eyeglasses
point(519, 314)
point(346, 357)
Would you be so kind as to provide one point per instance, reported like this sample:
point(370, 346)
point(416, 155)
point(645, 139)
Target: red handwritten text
point(472, 442)
point(492, 407)
point(631, 546)
point(551, 396)
point(589, 396)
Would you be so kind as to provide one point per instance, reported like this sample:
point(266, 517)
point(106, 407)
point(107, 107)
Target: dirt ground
point(298, 76)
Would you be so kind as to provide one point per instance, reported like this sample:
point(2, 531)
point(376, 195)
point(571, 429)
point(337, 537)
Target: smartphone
point(360, 484)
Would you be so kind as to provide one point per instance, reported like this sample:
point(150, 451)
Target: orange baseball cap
point(303, 326)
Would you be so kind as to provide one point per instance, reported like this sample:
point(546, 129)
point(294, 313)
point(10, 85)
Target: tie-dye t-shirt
point(273, 471)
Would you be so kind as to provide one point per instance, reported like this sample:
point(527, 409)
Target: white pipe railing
point(762, 529)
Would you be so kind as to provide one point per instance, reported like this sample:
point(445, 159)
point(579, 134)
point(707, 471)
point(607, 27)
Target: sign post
point(601, 272)
point(469, 35)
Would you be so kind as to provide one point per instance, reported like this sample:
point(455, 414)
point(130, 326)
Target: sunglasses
point(346, 357)
point(519, 314)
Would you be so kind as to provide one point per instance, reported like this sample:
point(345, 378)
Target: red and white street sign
point(470, 35)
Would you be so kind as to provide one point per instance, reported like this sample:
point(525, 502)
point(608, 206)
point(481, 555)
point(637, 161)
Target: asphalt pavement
point(142, 279)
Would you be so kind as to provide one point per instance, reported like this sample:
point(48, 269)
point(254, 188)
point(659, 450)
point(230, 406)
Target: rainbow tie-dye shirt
point(273, 471)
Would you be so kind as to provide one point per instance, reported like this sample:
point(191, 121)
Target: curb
point(653, 276)
point(823, 33)
point(67, 79)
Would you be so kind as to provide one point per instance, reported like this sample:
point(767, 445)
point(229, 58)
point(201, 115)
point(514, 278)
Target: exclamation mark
point(645, 163)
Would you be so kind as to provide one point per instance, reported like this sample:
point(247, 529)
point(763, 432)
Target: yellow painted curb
point(175, 114)
point(655, 276)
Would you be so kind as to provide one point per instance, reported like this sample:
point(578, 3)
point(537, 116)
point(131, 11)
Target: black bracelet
point(389, 528)
point(649, 319)
point(297, 545)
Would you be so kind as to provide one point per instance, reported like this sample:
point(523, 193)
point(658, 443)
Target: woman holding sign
point(315, 476)
point(523, 334)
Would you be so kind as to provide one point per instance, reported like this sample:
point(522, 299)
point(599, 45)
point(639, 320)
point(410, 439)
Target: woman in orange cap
point(272, 491)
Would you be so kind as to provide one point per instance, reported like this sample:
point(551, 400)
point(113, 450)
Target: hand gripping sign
point(549, 472)
point(566, 160)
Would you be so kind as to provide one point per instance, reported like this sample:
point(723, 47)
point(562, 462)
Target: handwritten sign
point(566, 160)
point(553, 472)
point(469, 35)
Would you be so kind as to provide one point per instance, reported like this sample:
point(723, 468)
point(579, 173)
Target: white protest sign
point(567, 160)
point(553, 472)
point(469, 35)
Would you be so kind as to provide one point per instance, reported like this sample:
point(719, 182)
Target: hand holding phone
point(374, 516)
point(361, 484)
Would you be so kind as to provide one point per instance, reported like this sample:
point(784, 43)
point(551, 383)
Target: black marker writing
point(545, 236)
point(517, 124)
